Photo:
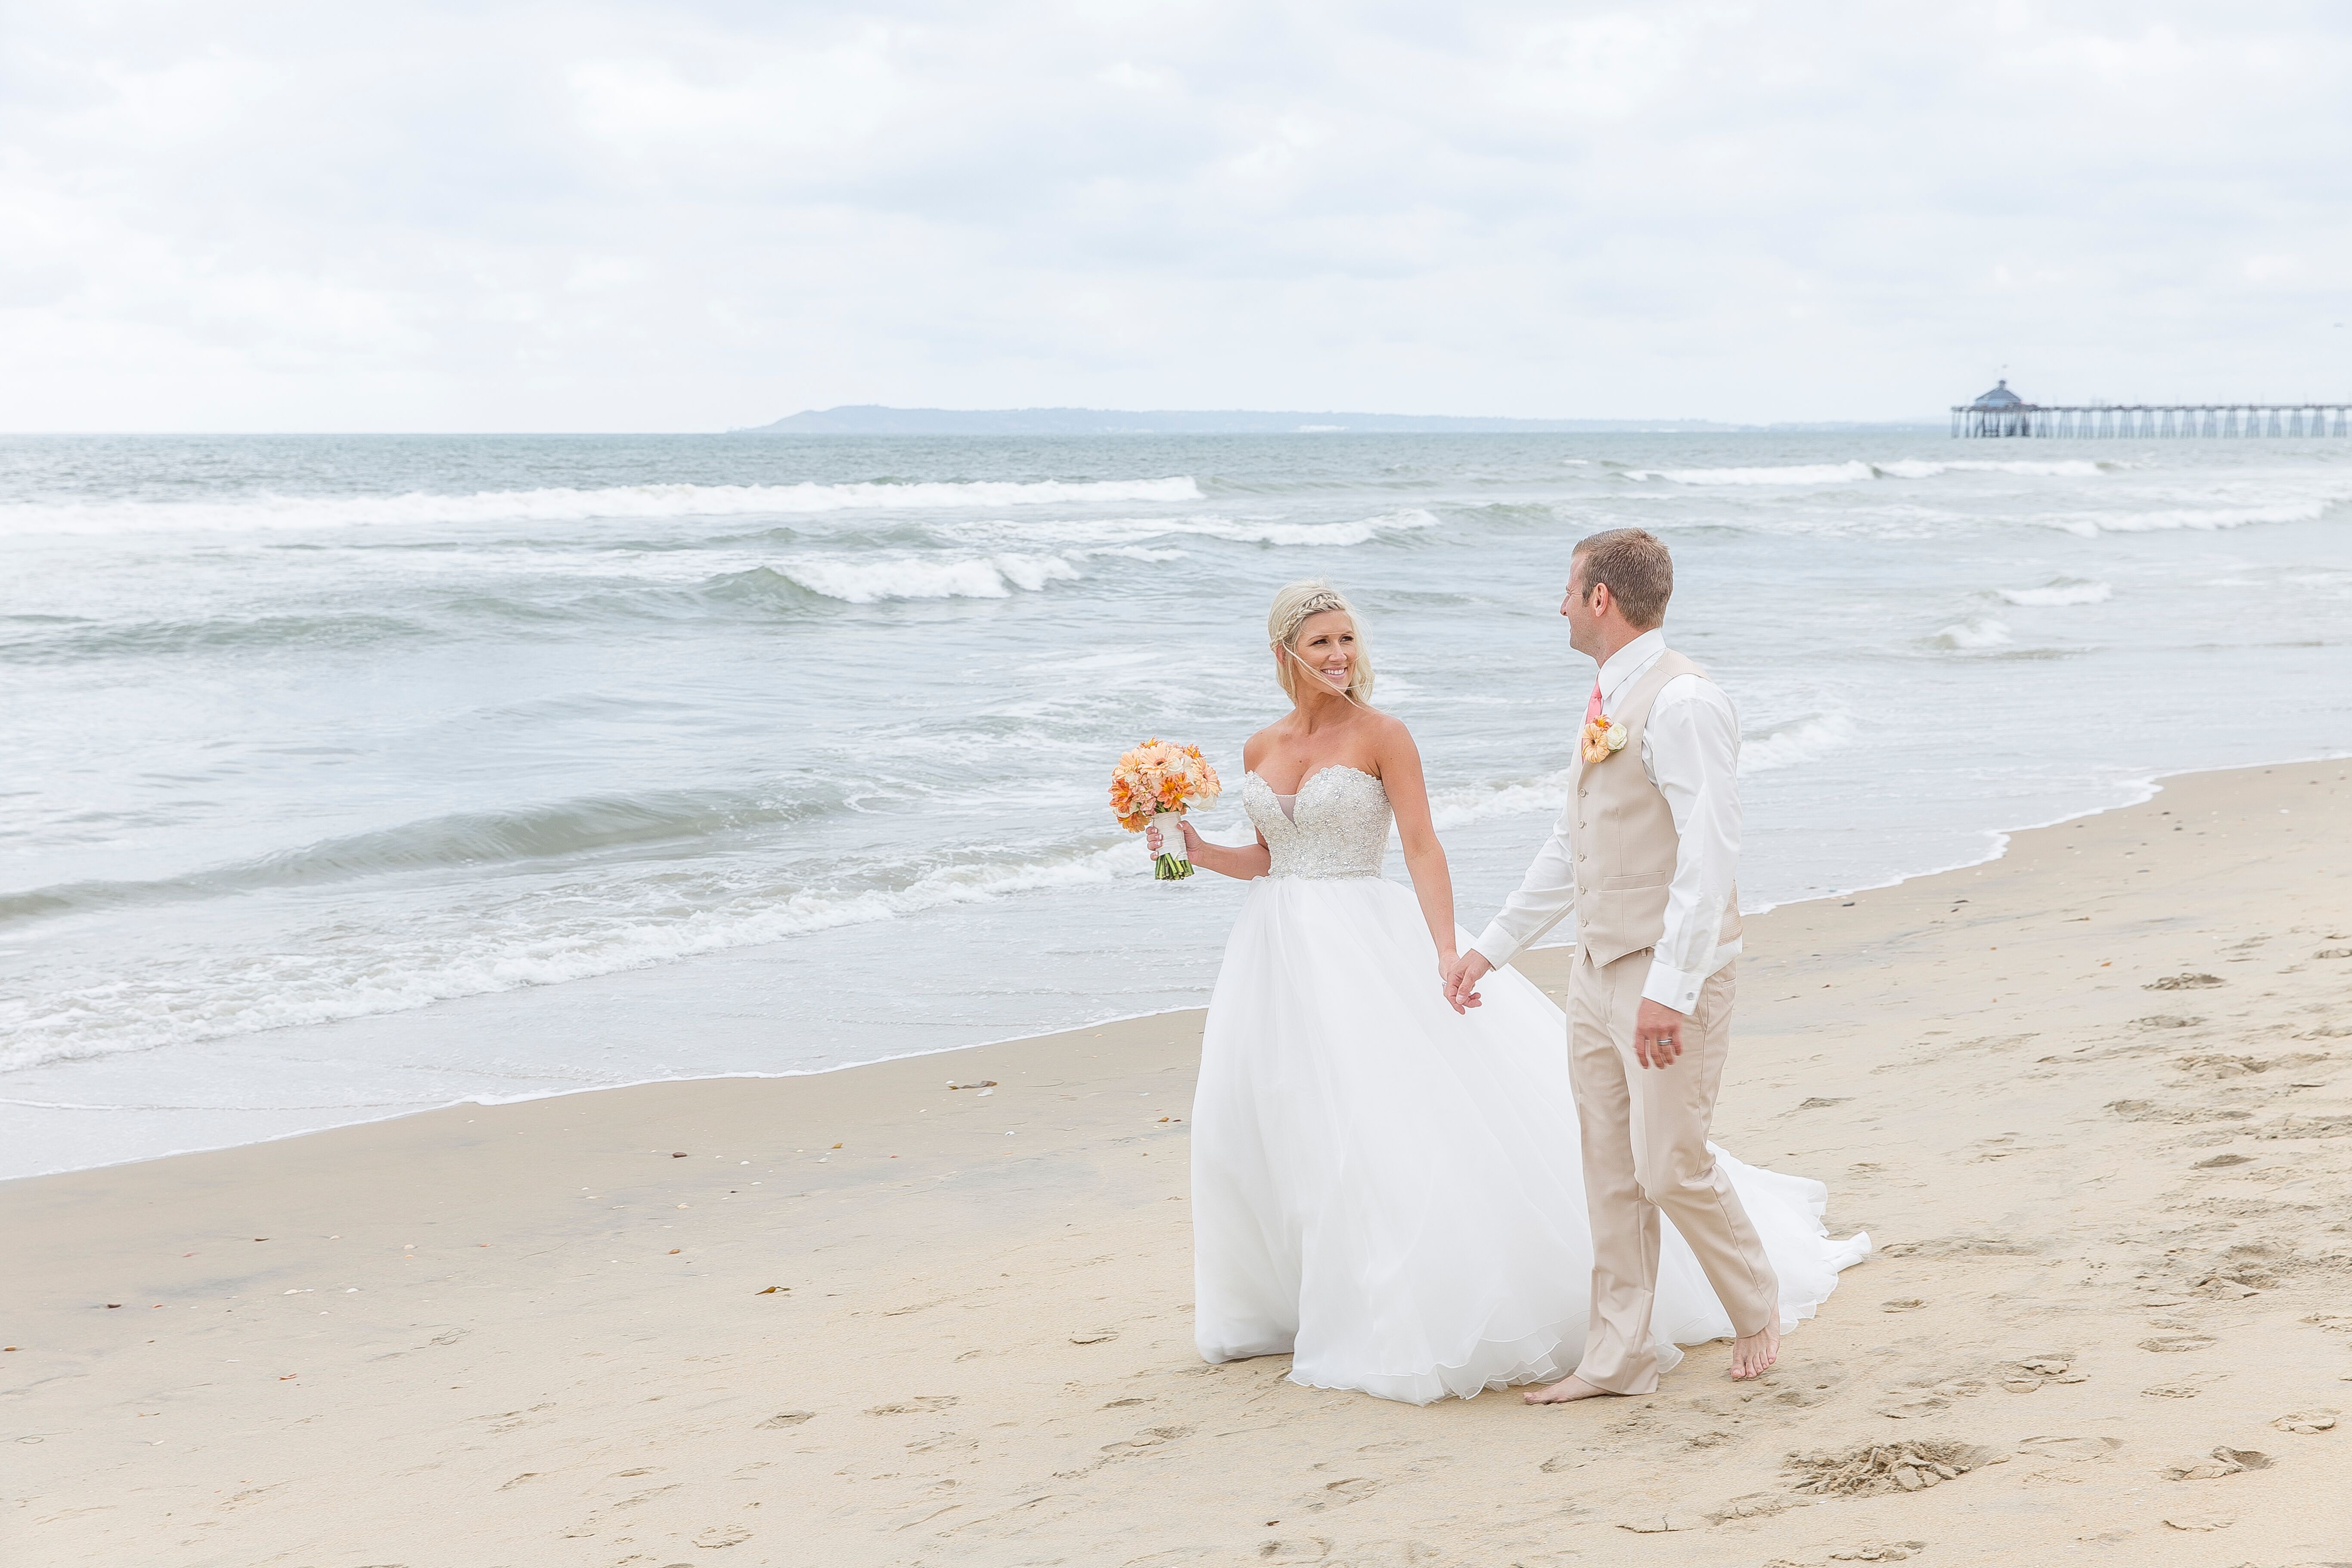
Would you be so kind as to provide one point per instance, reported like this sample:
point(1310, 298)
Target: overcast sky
point(677, 216)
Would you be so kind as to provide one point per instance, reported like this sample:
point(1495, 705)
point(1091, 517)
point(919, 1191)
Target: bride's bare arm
point(1432, 882)
point(1249, 860)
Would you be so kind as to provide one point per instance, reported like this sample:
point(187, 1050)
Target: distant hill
point(871, 419)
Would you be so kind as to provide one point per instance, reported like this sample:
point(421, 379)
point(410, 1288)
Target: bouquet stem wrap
point(1171, 864)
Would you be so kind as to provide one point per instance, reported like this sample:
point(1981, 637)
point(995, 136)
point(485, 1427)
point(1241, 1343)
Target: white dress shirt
point(1690, 750)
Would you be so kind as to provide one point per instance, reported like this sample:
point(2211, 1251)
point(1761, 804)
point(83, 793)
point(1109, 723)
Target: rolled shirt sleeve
point(1545, 895)
point(1690, 748)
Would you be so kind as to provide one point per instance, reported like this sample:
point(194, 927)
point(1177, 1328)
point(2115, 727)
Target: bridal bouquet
point(1154, 784)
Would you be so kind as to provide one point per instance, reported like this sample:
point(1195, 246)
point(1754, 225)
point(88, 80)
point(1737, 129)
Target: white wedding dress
point(1387, 1191)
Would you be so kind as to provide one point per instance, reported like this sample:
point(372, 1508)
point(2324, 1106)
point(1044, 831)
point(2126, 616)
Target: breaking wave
point(1107, 535)
point(914, 577)
point(471, 839)
point(1791, 745)
point(1460, 807)
point(1972, 635)
point(1856, 471)
point(2091, 524)
point(565, 505)
point(2064, 591)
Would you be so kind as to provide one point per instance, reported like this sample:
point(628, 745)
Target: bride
point(1384, 1188)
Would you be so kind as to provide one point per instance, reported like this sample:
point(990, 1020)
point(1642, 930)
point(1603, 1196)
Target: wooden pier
point(2002, 412)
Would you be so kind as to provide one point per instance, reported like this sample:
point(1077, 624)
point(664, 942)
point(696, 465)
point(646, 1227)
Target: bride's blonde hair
point(1293, 604)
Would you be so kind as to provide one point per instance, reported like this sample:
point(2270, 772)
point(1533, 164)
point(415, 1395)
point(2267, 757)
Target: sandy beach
point(2098, 1126)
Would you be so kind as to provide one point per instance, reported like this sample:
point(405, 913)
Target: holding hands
point(1462, 977)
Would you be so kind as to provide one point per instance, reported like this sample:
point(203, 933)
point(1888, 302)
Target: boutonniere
point(1603, 739)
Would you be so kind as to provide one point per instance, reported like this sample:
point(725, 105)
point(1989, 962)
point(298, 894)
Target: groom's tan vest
point(1624, 839)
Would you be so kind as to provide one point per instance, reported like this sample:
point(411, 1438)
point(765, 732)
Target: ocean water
point(344, 776)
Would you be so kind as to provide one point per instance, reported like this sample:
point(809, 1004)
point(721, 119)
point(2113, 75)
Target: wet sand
point(2092, 1100)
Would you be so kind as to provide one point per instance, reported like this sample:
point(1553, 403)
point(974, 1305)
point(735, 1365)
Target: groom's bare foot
point(1752, 1355)
point(1560, 1392)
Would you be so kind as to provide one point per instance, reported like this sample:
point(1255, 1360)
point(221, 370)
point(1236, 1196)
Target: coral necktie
point(1592, 708)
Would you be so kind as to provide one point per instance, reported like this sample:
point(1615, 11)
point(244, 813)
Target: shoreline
point(2093, 1100)
point(2148, 788)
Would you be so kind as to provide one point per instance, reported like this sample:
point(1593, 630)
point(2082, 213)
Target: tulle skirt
point(1392, 1193)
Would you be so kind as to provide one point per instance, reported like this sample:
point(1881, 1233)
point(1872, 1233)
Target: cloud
point(524, 217)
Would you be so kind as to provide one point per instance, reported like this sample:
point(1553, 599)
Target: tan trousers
point(1645, 1151)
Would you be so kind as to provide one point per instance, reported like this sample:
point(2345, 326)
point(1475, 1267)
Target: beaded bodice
point(1340, 828)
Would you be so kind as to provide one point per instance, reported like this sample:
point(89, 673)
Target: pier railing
point(2122, 421)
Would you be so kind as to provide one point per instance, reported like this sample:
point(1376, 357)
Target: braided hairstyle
point(1293, 604)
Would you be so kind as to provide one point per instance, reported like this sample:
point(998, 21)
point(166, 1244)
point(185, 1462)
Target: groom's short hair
point(1635, 564)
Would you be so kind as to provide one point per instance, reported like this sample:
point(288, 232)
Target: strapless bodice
point(1337, 827)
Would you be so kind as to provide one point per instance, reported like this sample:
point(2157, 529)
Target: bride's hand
point(1462, 977)
point(1448, 961)
point(1153, 839)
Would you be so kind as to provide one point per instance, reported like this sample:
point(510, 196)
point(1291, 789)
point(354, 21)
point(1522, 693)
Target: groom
point(1645, 853)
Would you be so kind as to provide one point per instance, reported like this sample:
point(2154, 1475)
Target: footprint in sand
point(2029, 1374)
point(2214, 1067)
point(1912, 1400)
point(2187, 1390)
point(921, 1406)
point(1794, 1397)
point(2072, 1450)
point(2221, 1463)
point(1879, 1552)
point(2176, 1344)
point(789, 1418)
point(1339, 1493)
point(2307, 1421)
point(723, 1535)
point(1149, 1437)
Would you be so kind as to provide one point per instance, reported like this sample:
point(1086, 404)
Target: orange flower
point(1601, 739)
point(1160, 776)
